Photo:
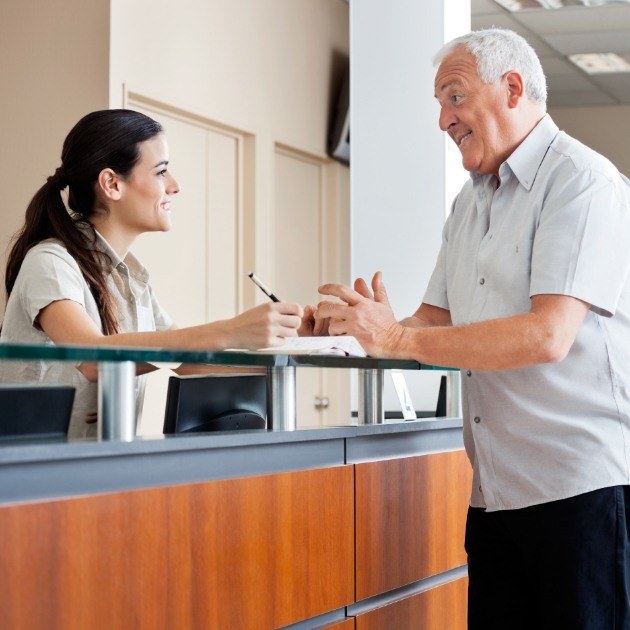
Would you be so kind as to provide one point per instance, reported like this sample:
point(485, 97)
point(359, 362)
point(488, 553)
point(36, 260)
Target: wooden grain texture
point(441, 608)
point(410, 519)
point(259, 552)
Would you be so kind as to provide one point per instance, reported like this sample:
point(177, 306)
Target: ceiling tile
point(504, 20)
point(484, 6)
point(617, 85)
point(571, 83)
point(576, 19)
point(570, 43)
point(580, 99)
point(555, 65)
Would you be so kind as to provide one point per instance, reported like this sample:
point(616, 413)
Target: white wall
point(605, 129)
point(398, 153)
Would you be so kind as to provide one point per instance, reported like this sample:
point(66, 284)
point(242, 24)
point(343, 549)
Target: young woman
point(70, 276)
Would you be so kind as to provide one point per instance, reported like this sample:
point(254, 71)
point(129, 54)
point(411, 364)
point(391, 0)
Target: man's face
point(473, 113)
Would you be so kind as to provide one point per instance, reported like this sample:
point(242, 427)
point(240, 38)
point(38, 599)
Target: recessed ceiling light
point(601, 63)
point(523, 5)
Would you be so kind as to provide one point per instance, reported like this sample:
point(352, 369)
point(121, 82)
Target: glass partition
point(114, 369)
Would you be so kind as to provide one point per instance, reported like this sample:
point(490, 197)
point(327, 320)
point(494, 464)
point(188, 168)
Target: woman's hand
point(263, 326)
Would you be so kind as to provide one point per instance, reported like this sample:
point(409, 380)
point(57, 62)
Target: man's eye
point(456, 98)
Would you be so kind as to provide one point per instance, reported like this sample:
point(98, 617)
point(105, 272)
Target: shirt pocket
point(513, 270)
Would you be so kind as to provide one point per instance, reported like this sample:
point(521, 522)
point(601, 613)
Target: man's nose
point(447, 118)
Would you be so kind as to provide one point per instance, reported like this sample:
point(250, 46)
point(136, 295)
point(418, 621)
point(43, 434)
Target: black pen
point(262, 287)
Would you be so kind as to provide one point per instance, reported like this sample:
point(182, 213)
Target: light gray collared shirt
point(49, 274)
point(559, 223)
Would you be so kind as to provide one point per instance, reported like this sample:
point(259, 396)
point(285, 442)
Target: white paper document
point(337, 346)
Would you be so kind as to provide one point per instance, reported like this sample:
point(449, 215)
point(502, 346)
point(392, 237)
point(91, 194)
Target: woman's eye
point(162, 173)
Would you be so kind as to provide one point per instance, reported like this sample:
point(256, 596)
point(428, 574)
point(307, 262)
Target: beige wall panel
point(176, 259)
point(297, 245)
point(270, 69)
point(297, 222)
point(55, 68)
point(222, 226)
point(249, 64)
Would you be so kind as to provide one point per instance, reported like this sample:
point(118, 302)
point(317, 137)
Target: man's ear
point(515, 87)
point(110, 184)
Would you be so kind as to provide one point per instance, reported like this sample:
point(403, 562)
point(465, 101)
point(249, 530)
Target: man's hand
point(312, 324)
point(365, 315)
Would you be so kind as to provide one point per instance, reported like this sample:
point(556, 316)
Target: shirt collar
point(130, 263)
point(528, 156)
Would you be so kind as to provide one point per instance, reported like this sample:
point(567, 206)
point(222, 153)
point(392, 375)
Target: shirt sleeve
point(436, 293)
point(160, 316)
point(581, 244)
point(48, 275)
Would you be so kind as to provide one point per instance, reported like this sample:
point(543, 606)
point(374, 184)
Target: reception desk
point(347, 527)
point(350, 527)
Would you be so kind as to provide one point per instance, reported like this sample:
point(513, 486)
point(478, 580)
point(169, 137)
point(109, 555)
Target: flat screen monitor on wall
point(339, 137)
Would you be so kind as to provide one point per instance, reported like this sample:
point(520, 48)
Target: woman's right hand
point(263, 326)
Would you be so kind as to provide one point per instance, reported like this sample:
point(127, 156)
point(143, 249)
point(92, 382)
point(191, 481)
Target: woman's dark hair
point(105, 139)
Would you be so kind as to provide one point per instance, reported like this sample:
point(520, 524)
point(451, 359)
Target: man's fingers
point(342, 292)
point(331, 309)
point(337, 327)
point(360, 286)
point(380, 293)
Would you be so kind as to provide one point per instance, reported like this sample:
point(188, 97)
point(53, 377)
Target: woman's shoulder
point(46, 254)
point(47, 248)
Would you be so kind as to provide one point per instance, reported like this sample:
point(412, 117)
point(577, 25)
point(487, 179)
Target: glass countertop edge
point(11, 351)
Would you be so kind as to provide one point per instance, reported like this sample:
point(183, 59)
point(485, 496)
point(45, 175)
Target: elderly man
point(530, 297)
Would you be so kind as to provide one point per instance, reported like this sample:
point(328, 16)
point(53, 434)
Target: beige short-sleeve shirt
point(559, 223)
point(49, 274)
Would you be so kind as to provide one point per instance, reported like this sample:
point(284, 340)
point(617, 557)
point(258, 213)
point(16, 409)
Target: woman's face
point(145, 202)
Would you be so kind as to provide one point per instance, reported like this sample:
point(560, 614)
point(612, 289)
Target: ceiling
point(557, 33)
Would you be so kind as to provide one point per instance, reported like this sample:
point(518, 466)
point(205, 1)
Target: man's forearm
point(543, 335)
point(498, 344)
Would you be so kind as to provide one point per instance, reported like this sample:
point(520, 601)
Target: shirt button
point(468, 373)
point(476, 419)
point(482, 281)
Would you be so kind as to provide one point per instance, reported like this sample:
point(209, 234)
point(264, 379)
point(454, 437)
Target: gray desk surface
point(31, 470)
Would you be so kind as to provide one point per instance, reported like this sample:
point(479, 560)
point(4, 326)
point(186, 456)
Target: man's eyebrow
point(446, 86)
point(162, 163)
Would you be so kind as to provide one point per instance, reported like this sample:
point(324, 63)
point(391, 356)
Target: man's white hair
point(498, 51)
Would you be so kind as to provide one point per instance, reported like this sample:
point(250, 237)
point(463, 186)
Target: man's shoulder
point(575, 155)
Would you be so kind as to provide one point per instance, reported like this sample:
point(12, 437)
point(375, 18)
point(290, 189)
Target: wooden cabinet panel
point(441, 608)
point(410, 519)
point(260, 552)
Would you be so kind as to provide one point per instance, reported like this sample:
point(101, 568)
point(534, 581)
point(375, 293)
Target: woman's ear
point(515, 87)
point(110, 184)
